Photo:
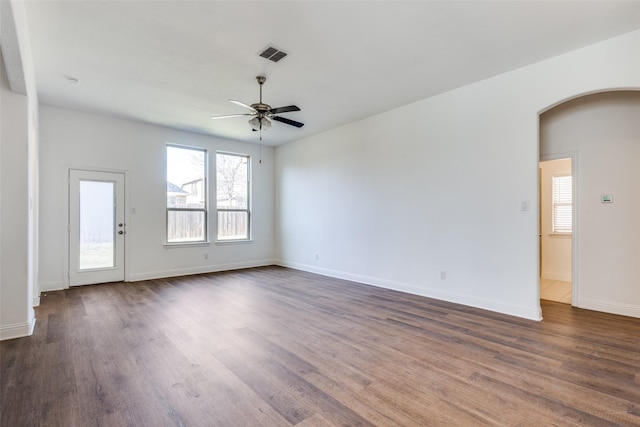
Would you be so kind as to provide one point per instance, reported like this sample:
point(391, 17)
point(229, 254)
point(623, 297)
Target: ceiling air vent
point(273, 54)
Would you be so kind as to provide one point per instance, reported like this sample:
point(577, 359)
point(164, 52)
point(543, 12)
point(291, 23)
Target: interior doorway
point(556, 230)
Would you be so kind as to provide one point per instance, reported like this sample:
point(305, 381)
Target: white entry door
point(96, 227)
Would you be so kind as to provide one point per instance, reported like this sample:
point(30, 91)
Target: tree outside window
point(232, 190)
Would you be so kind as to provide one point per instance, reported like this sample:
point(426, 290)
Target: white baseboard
point(17, 330)
point(483, 303)
point(149, 275)
point(631, 310)
point(36, 301)
point(135, 277)
point(51, 286)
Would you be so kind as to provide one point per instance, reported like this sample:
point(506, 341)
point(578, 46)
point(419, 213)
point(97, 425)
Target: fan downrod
point(261, 108)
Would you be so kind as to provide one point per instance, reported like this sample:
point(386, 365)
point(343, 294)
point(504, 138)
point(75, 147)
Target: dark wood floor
point(273, 346)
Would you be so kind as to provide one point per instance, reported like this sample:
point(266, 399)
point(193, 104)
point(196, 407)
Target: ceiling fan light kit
point(260, 123)
point(262, 112)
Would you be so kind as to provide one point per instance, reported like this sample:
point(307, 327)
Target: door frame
point(575, 282)
point(67, 216)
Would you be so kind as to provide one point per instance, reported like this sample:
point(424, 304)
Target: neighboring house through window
point(186, 194)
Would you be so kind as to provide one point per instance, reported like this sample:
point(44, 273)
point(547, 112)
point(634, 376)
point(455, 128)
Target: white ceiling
point(177, 63)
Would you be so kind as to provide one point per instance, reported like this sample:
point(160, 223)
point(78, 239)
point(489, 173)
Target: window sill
point(185, 244)
point(562, 235)
point(233, 242)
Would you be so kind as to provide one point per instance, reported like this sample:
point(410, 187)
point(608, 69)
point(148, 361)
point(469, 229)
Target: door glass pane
point(97, 226)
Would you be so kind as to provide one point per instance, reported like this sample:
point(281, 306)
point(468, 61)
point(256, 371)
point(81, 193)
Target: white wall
point(18, 188)
point(14, 318)
point(74, 139)
point(438, 185)
point(603, 130)
point(555, 249)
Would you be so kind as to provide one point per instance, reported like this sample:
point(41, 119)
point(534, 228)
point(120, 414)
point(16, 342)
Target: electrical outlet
point(317, 257)
point(443, 275)
point(206, 256)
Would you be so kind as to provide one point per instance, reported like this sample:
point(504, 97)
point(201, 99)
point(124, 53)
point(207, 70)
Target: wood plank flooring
point(278, 347)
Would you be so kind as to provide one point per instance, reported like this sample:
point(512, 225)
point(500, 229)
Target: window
point(562, 204)
point(232, 185)
point(186, 194)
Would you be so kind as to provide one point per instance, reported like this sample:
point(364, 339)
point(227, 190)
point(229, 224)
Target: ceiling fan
point(262, 113)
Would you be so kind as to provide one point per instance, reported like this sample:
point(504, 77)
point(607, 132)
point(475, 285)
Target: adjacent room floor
point(555, 290)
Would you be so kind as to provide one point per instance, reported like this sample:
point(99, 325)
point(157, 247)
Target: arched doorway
point(601, 132)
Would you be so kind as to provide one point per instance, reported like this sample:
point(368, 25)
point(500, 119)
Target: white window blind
point(562, 204)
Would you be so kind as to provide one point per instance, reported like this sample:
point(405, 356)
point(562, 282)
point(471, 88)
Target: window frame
point(246, 210)
point(555, 203)
point(205, 195)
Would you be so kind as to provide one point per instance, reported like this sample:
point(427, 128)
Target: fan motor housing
point(263, 108)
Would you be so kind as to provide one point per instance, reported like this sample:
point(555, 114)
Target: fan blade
point(286, 109)
point(231, 115)
point(287, 121)
point(242, 104)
